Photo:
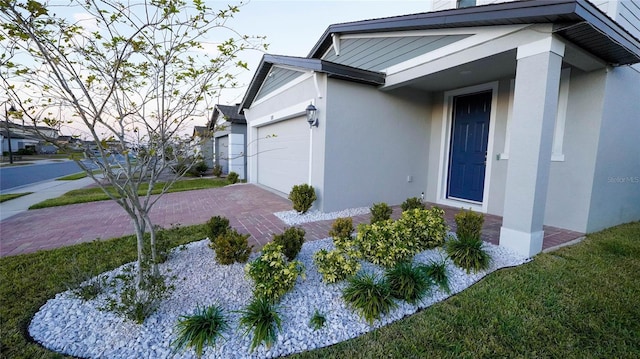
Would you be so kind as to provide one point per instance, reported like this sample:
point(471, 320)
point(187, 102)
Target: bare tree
point(132, 74)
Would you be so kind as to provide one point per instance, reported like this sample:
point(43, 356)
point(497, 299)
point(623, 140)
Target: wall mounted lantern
point(311, 115)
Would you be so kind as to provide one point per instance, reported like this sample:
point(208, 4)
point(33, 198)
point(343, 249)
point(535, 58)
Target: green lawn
point(96, 194)
point(577, 302)
point(9, 196)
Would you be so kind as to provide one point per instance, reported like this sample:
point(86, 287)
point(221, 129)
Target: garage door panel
point(283, 154)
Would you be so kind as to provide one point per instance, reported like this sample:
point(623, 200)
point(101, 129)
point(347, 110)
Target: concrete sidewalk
point(41, 191)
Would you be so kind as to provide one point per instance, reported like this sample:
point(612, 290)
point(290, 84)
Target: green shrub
point(437, 271)
point(422, 229)
point(302, 196)
point(408, 282)
point(291, 241)
point(335, 265)
point(412, 203)
point(231, 247)
point(217, 170)
point(262, 317)
point(318, 320)
point(200, 329)
point(469, 224)
point(380, 212)
point(137, 302)
point(379, 244)
point(232, 177)
point(199, 168)
point(369, 296)
point(216, 226)
point(341, 231)
point(272, 275)
point(467, 253)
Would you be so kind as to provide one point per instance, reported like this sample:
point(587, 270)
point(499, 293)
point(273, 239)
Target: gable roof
point(201, 131)
point(332, 70)
point(230, 113)
point(578, 21)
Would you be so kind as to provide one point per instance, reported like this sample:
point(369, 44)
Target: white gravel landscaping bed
point(73, 327)
point(292, 218)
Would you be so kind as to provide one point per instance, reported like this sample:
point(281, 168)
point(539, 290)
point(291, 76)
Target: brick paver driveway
point(249, 209)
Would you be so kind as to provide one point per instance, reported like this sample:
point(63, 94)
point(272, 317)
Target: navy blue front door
point(468, 153)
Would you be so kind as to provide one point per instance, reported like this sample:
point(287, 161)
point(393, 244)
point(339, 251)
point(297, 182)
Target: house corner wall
point(615, 197)
point(571, 180)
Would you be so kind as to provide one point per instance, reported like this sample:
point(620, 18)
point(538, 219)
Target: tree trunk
point(154, 252)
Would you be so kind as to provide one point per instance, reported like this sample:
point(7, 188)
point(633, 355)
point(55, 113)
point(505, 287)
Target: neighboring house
point(528, 110)
point(203, 142)
point(229, 129)
point(26, 137)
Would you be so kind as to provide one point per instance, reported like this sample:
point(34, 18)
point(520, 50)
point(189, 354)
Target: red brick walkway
point(249, 209)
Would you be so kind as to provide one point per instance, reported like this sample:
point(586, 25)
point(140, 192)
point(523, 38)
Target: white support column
point(534, 111)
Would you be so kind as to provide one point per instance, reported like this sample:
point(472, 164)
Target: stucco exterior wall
point(571, 180)
point(376, 145)
point(615, 197)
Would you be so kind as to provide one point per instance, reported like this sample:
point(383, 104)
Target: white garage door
point(283, 159)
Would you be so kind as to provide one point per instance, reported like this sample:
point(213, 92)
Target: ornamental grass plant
point(408, 282)
point(203, 328)
point(369, 295)
point(261, 317)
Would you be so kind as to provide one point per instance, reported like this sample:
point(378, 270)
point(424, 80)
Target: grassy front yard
point(96, 194)
point(578, 302)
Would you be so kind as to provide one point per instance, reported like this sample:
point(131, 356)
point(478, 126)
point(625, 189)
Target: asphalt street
point(17, 176)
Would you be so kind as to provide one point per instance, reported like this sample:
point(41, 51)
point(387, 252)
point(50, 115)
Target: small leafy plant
point(137, 302)
point(437, 271)
point(200, 329)
point(302, 196)
point(262, 317)
point(216, 226)
point(341, 231)
point(90, 289)
point(408, 282)
point(231, 247)
point(380, 212)
point(369, 296)
point(378, 243)
point(467, 253)
point(291, 241)
point(232, 177)
point(318, 320)
point(272, 275)
point(469, 224)
point(412, 203)
point(217, 170)
point(422, 229)
point(335, 265)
